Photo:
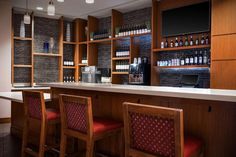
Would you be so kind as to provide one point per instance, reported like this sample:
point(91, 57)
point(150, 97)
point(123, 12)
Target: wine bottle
point(176, 42)
point(186, 41)
point(166, 43)
point(202, 40)
point(191, 41)
point(181, 42)
point(171, 43)
point(196, 58)
point(200, 58)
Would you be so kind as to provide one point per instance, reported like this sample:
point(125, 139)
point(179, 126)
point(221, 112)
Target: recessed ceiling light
point(89, 1)
point(60, 0)
point(39, 8)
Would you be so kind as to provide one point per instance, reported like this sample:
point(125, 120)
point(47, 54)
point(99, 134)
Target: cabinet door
point(224, 47)
point(223, 17)
point(223, 75)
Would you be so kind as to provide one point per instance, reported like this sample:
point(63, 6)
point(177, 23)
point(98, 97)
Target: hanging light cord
point(27, 5)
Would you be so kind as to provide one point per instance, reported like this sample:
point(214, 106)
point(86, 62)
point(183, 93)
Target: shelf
point(121, 58)
point(83, 42)
point(82, 64)
point(131, 36)
point(69, 43)
point(101, 40)
point(69, 67)
point(47, 54)
point(120, 73)
point(22, 66)
point(22, 38)
point(184, 67)
point(181, 48)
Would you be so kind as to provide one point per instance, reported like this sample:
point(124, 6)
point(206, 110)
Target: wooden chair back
point(34, 105)
point(76, 114)
point(153, 131)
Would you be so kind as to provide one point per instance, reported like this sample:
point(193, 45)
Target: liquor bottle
point(166, 43)
point(205, 58)
point(197, 41)
point(171, 43)
point(202, 40)
point(200, 58)
point(186, 41)
point(191, 41)
point(207, 40)
point(181, 42)
point(177, 60)
point(187, 60)
point(176, 42)
point(191, 60)
point(182, 60)
point(195, 58)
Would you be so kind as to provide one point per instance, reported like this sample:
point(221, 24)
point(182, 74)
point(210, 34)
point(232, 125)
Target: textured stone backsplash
point(22, 75)
point(44, 29)
point(17, 18)
point(22, 52)
point(46, 69)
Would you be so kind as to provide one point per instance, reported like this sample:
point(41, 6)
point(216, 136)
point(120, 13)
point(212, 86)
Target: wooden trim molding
point(5, 120)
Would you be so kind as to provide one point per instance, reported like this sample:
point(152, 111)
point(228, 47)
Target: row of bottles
point(69, 79)
point(197, 58)
point(132, 30)
point(123, 51)
point(68, 63)
point(122, 66)
point(186, 42)
point(100, 35)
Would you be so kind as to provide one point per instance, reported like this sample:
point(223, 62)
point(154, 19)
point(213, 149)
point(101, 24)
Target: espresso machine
point(139, 72)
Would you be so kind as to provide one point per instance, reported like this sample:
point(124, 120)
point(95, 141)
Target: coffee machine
point(139, 72)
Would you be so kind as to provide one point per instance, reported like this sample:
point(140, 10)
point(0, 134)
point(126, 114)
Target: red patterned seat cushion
point(52, 114)
point(101, 125)
point(152, 134)
point(34, 107)
point(191, 145)
point(76, 116)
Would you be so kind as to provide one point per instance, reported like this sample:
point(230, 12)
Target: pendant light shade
point(51, 8)
point(26, 18)
point(89, 1)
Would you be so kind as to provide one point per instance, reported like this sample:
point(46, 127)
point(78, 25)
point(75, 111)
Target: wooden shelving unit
point(157, 38)
point(131, 36)
point(28, 39)
point(47, 54)
point(184, 66)
point(22, 66)
point(120, 73)
point(21, 38)
point(69, 67)
point(121, 58)
point(181, 48)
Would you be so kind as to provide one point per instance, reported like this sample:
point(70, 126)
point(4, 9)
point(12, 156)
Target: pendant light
point(27, 16)
point(60, 1)
point(89, 1)
point(51, 8)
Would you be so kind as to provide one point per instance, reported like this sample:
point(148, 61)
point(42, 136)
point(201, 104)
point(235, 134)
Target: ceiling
point(79, 9)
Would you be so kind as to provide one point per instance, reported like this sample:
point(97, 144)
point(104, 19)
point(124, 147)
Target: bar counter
point(209, 114)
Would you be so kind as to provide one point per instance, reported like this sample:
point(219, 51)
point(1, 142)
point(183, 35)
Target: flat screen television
point(186, 20)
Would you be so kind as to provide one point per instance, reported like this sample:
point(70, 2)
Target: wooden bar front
point(212, 121)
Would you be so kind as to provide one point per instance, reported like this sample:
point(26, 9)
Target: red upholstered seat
point(52, 114)
point(101, 125)
point(191, 145)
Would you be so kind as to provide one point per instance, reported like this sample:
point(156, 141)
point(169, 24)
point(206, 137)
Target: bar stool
point(35, 110)
point(77, 121)
point(152, 131)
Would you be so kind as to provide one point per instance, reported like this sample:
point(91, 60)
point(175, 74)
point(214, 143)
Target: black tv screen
point(186, 20)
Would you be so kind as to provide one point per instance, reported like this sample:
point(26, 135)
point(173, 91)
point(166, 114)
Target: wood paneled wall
point(223, 44)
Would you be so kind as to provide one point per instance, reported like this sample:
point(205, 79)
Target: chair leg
point(43, 134)
point(89, 148)
point(25, 138)
point(63, 145)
